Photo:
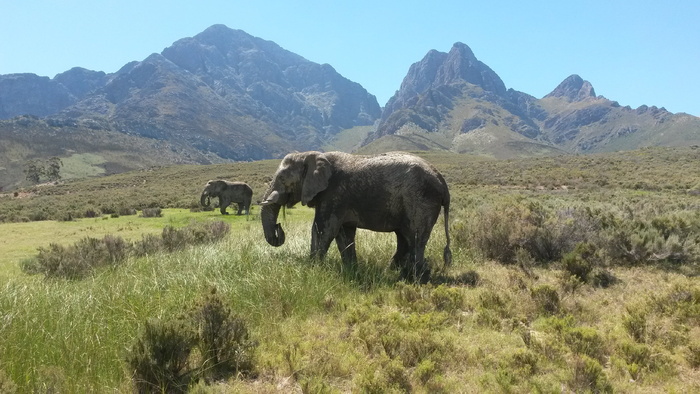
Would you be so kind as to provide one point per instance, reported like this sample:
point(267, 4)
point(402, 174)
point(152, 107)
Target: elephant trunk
point(205, 200)
point(274, 235)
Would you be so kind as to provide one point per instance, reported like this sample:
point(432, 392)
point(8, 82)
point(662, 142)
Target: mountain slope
point(233, 95)
point(455, 97)
point(220, 95)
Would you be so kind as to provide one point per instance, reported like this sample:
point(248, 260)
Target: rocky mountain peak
point(440, 69)
point(573, 88)
point(461, 64)
point(80, 81)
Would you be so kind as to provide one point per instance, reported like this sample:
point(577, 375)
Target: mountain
point(224, 95)
point(218, 96)
point(453, 101)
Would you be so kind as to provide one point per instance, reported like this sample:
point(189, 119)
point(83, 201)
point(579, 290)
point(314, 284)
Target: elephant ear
point(318, 172)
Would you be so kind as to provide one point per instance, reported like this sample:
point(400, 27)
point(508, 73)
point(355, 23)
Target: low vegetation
point(571, 273)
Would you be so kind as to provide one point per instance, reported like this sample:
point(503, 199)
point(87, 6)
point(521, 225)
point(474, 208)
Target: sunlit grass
point(323, 326)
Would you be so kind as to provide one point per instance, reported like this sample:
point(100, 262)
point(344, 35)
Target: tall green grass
point(594, 288)
point(84, 327)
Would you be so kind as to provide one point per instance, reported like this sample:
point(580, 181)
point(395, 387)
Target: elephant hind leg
point(402, 249)
point(345, 240)
point(413, 266)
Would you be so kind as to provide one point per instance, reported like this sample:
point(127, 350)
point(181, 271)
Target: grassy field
point(570, 274)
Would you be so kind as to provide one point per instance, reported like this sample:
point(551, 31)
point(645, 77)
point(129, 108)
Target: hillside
point(221, 95)
point(459, 101)
point(573, 273)
point(224, 96)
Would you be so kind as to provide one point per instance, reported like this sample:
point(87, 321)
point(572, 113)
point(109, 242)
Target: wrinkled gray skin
point(393, 192)
point(228, 192)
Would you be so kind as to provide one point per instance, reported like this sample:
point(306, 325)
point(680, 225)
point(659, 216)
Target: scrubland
point(572, 273)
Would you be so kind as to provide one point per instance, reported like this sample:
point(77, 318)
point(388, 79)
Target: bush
point(80, 259)
point(447, 299)
point(126, 211)
point(148, 244)
point(693, 355)
point(587, 341)
point(578, 263)
point(91, 213)
point(546, 298)
point(159, 360)
point(224, 342)
point(163, 358)
point(507, 229)
point(384, 376)
point(151, 213)
point(588, 376)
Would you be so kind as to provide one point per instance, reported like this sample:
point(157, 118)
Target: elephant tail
point(447, 253)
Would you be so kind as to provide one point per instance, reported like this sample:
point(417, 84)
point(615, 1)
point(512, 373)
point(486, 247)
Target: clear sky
point(634, 52)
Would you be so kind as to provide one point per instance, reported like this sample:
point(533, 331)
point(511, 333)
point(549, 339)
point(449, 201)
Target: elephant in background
point(392, 192)
point(228, 192)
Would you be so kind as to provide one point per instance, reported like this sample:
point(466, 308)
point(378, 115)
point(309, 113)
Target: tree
point(53, 168)
point(33, 170)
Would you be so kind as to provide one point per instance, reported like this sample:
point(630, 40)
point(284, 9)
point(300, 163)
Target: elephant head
point(299, 178)
point(212, 189)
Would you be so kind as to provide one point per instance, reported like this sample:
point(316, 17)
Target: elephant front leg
point(224, 203)
point(322, 235)
point(346, 243)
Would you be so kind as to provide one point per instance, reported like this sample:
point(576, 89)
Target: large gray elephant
point(228, 192)
point(392, 192)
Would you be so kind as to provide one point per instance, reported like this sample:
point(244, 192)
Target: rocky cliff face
point(225, 93)
point(573, 88)
point(459, 99)
point(30, 94)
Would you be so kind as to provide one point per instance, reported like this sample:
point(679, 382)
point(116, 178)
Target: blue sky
point(634, 52)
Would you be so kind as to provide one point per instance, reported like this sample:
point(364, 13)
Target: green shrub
point(693, 354)
point(524, 362)
point(448, 299)
point(224, 342)
point(80, 259)
point(426, 370)
point(587, 341)
point(151, 213)
point(126, 211)
point(470, 278)
point(588, 376)
point(384, 376)
point(91, 213)
point(642, 357)
point(546, 298)
point(148, 244)
point(635, 322)
point(497, 302)
point(579, 262)
point(159, 360)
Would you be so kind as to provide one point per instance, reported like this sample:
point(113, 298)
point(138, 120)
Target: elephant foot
point(416, 274)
